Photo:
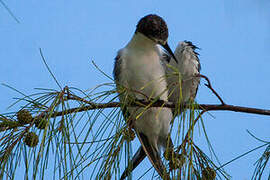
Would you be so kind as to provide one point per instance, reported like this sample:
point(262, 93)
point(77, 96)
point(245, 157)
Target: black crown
point(154, 27)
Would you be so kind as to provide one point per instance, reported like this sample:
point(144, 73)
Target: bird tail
point(146, 150)
point(153, 156)
point(136, 160)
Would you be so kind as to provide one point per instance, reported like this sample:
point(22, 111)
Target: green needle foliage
point(78, 136)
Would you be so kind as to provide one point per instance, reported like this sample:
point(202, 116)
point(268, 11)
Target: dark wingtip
point(191, 45)
point(194, 47)
point(153, 157)
point(136, 160)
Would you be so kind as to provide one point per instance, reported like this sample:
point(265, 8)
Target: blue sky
point(234, 37)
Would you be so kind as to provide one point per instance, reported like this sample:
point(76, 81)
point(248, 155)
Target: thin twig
point(211, 88)
point(47, 66)
point(77, 98)
point(188, 132)
point(10, 12)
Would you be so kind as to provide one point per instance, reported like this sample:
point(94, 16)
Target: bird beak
point(168, 49)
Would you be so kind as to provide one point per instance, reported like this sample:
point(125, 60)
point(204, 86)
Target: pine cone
point(31, 139)
point(24, 116)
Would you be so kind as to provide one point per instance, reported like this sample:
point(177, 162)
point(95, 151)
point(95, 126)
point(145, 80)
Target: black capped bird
point(138, 69)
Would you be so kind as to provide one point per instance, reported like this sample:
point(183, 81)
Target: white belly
point(145, 77)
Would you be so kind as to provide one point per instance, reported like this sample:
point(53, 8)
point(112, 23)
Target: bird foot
point(176, 160)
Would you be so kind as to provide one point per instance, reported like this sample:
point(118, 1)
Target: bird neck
point(141, 41)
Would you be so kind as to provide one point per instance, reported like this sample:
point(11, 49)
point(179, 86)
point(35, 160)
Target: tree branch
point(205, 107)
point(211, 88)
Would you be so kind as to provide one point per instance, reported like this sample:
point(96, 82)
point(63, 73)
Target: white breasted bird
point(181, 81)
point(138, 70)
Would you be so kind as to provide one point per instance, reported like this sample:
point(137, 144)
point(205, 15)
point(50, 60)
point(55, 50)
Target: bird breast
point(145, 74)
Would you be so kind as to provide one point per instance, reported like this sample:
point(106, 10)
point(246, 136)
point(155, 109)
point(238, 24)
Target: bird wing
point(153, 156)
point(188, 66)
point(146, 150)
point(117, 67)
point(186, 51)
point(140, 155)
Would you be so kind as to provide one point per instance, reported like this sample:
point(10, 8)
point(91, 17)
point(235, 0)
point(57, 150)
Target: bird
point(139, 71)
point(181, 77)
point(182, 84)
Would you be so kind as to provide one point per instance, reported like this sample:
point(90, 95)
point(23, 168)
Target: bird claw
point(128, 134)
point(176, 160)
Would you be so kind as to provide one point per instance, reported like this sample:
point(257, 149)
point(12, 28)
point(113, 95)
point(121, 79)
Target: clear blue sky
point(234, 37)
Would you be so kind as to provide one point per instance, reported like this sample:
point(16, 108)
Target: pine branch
point(58, 98)
point(205, 107)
